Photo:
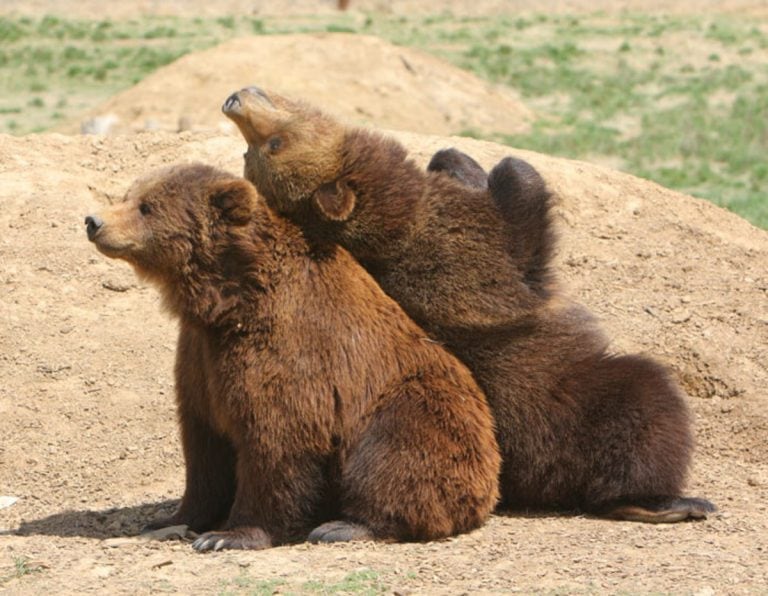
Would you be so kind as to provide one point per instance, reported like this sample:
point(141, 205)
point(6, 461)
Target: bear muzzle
point(234, 104)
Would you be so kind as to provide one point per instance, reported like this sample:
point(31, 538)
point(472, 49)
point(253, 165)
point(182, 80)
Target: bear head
point(293, 154)
point(182, 228)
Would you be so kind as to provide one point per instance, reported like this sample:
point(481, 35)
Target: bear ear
point(234, 199)
point(335, 200)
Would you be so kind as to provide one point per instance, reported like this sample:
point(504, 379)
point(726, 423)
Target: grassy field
point(682, 101)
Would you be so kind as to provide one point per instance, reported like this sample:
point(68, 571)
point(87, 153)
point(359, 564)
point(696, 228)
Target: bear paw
point(664, 510)
point(238, 539)
point(339, 531)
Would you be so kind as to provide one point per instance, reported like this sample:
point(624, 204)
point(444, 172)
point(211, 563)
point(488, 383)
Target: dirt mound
point(88, 439)
point(361, 78)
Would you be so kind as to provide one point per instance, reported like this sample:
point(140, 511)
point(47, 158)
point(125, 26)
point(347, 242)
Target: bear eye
point(275, 143)
point(144, 209)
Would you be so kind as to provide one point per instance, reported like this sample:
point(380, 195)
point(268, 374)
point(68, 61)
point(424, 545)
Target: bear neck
point(234, 289)
point(389, 188)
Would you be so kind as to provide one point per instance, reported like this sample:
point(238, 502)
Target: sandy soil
point(88, 440)
point(360, 78)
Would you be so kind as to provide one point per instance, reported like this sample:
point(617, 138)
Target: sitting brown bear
point(305, 394)
point(468, 257)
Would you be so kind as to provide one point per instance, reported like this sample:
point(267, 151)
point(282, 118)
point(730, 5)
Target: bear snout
point(232, 103)
point(93, 224)
point(258, 91)
point(235, 103)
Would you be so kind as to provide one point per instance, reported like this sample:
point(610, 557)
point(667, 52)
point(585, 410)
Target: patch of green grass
point(21, 568)
point(245, 584)
point(227, 22)
point(334, 28)
point(365, 583)
point(613, 107)
point(257, 26)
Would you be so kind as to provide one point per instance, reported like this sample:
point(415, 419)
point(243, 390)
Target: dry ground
point(87, 434)
point(360, 78)
point(88, 441)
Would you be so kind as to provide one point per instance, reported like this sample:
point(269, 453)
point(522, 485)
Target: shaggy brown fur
point(305, 394)
point(469, 260)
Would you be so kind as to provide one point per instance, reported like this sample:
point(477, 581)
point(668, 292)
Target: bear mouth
point(112, 250)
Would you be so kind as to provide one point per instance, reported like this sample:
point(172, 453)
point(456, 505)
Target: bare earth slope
point(88, 440)
point(361, 78)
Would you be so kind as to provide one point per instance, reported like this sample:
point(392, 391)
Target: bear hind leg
point(639, 438)
point(427, 465)
point(460, 166)
point(657, 510)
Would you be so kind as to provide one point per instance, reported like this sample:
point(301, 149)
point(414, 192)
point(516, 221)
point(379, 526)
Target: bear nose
point(92, 225)
point(232, 103)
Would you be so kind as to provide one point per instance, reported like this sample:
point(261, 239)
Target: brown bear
point(306, 397)
point(468, 258)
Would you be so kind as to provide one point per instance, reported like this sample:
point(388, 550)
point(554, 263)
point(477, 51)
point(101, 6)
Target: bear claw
point(241, 539)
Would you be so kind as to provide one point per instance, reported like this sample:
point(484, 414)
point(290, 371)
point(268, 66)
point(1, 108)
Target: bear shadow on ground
point(107, 523)
point(129, 521)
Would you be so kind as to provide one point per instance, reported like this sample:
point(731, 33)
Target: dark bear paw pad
point(339, 531)
point(255, 539)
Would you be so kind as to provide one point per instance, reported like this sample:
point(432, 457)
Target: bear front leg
point(208, 456)
point(275, 503)
point(210, 478)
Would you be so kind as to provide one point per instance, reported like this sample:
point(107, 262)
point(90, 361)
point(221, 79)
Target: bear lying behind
point(468, 258)
point(305, 395)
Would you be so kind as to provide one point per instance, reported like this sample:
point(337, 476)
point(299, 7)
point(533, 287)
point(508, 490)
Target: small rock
point(120, 542)
point(169, 533)
point(116, 286)
point(185, 123)
point(103, 571)
point(158, 563)
point(681, 316)
point(100, 125)
point(7, 501)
